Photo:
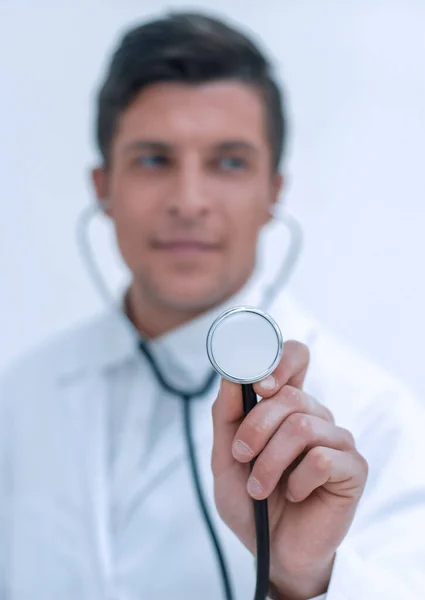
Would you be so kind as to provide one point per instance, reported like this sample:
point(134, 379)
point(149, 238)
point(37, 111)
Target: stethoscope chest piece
point(244, 344)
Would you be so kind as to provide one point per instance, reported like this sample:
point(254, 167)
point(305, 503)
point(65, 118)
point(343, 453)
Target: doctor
point(96, 498)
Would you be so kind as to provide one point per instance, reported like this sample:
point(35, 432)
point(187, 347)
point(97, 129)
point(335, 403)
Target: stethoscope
point(259, 344)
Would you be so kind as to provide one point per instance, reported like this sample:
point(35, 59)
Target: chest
point(104, 505)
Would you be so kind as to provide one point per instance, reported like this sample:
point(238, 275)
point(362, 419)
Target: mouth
point(186, 248)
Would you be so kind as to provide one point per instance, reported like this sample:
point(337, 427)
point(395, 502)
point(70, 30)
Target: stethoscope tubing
point(248, 395)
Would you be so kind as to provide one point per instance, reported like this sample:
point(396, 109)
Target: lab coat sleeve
point(383, 555)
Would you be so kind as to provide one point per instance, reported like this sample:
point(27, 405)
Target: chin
point(190, 293)
point(184, 299)
point(190, 303)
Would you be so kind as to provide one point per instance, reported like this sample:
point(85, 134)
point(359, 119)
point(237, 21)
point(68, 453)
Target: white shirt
point(96, 498)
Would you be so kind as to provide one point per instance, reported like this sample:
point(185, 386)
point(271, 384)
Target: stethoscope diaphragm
point(244, 344)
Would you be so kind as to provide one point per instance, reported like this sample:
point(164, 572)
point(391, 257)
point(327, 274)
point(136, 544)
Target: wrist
point(275, 594)
point(301, 585)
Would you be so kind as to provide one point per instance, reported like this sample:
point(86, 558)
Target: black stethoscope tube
point(261, 515)
point(194, 468)
point(249, 399)
point(186, 399)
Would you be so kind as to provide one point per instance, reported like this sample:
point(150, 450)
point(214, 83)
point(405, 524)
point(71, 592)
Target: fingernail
point(269, 383)
point(254, 488)
point(241, 450)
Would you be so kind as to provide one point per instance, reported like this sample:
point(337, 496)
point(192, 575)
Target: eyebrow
point(159, 146)
point(148, 145)
point(237, 145)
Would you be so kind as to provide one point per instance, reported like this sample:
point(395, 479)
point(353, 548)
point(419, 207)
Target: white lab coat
point(96, 499)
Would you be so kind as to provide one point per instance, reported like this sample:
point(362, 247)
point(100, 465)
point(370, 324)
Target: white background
point(355, 74)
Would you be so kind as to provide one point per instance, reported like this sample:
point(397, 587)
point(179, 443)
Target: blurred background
point(354, 74)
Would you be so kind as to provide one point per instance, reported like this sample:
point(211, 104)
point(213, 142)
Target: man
point(97, 500)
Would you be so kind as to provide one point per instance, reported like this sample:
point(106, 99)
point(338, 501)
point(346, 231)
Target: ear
point(278, 184)
point(99, 179)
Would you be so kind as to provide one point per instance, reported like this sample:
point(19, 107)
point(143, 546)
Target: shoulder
point(57, 356)
point(358, 391)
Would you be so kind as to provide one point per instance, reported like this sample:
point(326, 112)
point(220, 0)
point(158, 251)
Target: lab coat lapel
point(59, 485)
point(95, 473)
point(88, 421)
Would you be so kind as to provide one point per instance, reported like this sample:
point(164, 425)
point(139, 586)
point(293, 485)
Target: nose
point(188, 199)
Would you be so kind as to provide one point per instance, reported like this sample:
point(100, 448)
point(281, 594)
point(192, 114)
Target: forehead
point(204, 113)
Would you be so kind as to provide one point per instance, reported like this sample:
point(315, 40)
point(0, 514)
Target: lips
point(185, 249)
point(185, 245)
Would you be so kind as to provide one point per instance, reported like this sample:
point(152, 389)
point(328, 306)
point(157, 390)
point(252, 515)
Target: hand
point(307, 467)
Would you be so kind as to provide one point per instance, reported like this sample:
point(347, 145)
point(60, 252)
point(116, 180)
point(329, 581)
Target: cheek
point(126, 199)
point(247, 214)
point(130, 220)
point(132, 206)
point(247, 198)
point(130, 223)
point(245, 228)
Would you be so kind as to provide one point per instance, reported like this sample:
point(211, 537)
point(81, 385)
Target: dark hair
point(189, 48)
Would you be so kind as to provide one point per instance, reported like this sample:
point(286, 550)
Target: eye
point(232, 163)
point(152, 161)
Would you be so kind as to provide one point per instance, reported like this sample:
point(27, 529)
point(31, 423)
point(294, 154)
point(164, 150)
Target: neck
point(152, 319)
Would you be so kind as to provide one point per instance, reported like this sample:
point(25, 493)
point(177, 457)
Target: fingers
point(264, 420)
point(228, 411)
point(343, 473)
point(291, 370)
point(298, 434)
